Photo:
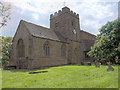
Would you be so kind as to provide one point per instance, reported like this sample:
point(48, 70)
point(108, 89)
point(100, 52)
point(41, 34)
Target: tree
point(4, 13)
point(119, 47)
point(6, 48)
point(107, 43)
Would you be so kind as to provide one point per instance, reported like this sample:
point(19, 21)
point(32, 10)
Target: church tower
point(66, 22)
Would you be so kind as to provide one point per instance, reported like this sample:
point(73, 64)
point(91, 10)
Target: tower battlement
point(64, 10)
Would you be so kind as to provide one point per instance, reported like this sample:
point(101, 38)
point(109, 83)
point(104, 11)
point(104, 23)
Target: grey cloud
point(25, 15)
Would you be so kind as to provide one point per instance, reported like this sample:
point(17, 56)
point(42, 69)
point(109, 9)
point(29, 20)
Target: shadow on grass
point(28, 70)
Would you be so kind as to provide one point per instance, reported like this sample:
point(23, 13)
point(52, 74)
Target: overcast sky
point(93, 13)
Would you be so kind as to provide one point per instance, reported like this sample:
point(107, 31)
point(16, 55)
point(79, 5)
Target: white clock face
point(74, 31)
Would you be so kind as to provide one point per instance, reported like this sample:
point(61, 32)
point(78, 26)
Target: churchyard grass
point(69, 76)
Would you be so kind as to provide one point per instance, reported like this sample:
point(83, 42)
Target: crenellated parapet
point(64, 10)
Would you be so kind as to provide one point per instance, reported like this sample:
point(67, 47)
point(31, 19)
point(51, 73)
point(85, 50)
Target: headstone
point(110, 68)
point(89, 64)
point(82, 63)
point(97, 63)
point(104, 62)
point(9, 67)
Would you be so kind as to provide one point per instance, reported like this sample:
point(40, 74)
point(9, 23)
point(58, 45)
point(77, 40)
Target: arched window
point(46, 49)
point(63, 50)
point(20, 48)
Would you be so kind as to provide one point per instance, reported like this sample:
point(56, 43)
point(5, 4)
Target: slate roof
point(42, 32)
point(47, 33)
point(86, 43)
point(87, 33)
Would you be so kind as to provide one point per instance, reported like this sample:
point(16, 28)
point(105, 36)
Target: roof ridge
point(33, 24)
point(87, 32)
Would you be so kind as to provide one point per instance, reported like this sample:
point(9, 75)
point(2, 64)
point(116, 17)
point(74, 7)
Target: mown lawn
point(69, 76)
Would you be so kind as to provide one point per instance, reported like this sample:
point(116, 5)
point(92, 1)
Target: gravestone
point(82, 63)
point(104, 62)
point(110, 68)
point(97, 63)
point(89, 64)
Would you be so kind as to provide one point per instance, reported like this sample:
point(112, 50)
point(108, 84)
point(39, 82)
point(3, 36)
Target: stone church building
point(63, 43)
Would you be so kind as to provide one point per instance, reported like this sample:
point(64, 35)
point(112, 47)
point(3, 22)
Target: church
point(63, 43)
